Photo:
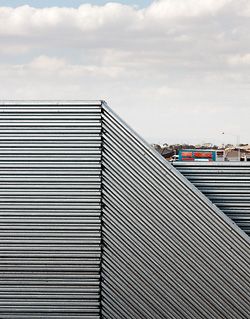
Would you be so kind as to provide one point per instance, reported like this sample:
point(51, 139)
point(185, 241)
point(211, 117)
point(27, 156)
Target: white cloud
point(185, 8)
point(44, 62)
point(239, 59)
point(25, 19)
point(176, 58)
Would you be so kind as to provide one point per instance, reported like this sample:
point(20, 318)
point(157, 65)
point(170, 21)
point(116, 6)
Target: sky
point(70, 3)
point(176, 70)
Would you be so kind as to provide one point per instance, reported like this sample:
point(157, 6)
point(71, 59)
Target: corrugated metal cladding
point(168, 251)
point(95, 224)
point(226, 184)
point(50, 208)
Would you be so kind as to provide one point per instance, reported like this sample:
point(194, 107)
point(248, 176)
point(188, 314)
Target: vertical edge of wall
point(168, 251)
point(102, 221)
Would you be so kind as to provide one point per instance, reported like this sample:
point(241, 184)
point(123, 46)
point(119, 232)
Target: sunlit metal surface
point(50, 207)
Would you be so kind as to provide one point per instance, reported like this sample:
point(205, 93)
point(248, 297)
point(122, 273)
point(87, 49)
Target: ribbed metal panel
point(50, 209)
point(168, 251)
point(226, 184)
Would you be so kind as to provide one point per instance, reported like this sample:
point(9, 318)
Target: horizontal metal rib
point(226, 184)
point(50, 210)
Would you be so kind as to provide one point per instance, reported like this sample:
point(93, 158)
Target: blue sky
point(69, 3)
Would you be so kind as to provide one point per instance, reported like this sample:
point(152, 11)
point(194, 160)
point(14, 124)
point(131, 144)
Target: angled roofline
point(137, 137)
point(183, 179)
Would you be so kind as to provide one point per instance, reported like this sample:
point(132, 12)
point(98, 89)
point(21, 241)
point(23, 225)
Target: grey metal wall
point(71, 171)
point(226, 184)
point(168, 251)
point(50, 208)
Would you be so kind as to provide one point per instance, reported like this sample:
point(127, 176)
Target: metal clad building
point(226, 184)
point(50, 208)
point(95, 224)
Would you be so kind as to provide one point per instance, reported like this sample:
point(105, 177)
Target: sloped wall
point(168, 251)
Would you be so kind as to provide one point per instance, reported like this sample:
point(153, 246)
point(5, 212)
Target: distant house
point(238, 153)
